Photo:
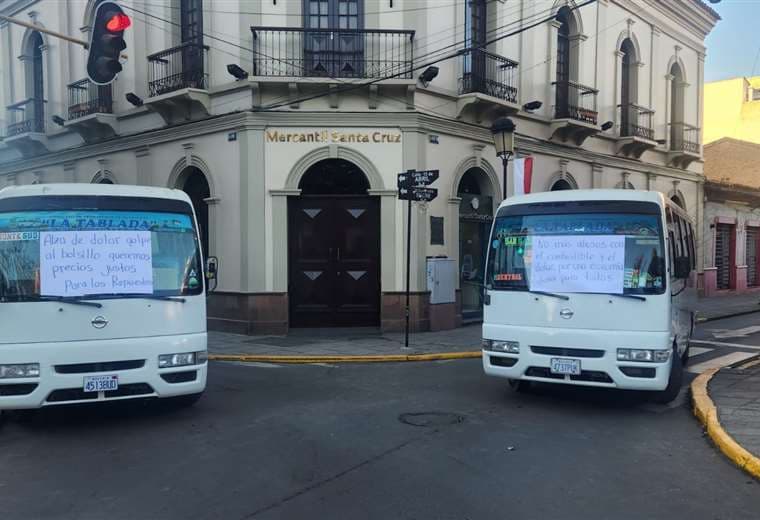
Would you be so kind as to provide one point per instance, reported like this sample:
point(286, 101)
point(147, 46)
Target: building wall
point(731, 111)
point(252, 176)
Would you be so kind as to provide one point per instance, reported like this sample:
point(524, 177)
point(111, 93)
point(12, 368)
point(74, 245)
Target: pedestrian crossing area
point(702, 358)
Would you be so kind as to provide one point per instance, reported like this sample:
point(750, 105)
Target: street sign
point(417, 178)
point(411, 186)
point(418, 194)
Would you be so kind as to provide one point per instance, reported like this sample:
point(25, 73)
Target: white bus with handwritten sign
point(590, 287)
point(102, 295)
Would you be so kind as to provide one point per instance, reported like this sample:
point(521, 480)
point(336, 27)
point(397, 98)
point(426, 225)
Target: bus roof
point(578, 195)
point(115, 190)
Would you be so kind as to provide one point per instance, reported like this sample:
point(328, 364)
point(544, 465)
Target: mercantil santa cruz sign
point(333, 136)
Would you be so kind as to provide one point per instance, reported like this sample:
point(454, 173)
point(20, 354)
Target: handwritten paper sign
point(589, 264)
point(75, 263)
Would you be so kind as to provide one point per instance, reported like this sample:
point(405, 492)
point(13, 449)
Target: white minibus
point(590, 287)
point(102, 295)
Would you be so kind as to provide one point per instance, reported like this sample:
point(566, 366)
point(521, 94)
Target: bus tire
point(685, 355)
point(674, 381)
point(519, 385)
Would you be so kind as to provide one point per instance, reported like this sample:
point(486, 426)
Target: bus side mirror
point(682, 268)
point(212, 268)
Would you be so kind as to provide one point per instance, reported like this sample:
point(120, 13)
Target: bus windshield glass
point(592, 252)
point(98, 253)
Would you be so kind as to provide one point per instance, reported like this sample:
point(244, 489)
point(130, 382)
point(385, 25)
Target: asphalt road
point(306, 442)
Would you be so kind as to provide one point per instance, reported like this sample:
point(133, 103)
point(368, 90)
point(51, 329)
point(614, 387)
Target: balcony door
point(191, 35)
point(475, 30)
point(562, 100)
point(333, 40)
point(38, 86)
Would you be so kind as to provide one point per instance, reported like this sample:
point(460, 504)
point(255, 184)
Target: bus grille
point(569, 352)
point(77, 394)
point(591, 376)
point(106, 366)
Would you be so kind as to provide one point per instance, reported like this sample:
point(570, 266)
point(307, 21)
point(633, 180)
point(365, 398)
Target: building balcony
point(636, 130)
point(575, 115)
point(178, 82)
point(297, 56)
point(90, 111)
point(26, 127)
point(488, 87)
point(684, 145)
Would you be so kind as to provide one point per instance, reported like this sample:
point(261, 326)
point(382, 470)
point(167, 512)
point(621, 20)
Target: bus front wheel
point(674, 381)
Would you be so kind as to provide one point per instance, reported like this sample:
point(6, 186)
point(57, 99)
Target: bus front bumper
point(595, 351)
point(63, 368)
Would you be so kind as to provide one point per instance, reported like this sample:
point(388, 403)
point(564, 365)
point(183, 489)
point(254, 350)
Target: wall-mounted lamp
point(533, 105)
point(58, 120)
point(236, 71)
point(428, 75)
point(607, 125)
point(134, 99)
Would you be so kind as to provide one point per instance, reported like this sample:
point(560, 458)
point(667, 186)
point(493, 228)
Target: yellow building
point(732, 109)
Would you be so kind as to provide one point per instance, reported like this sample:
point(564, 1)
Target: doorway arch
point(334, 247)
point(194, 183)
point(475, 191)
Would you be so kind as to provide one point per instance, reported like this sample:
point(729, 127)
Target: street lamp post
point(503, 130)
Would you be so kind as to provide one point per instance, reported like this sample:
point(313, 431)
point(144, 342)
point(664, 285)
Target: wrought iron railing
point(575, 101)
point(336, 53)
point(489, 74)
point(684, 138)
point(180, 67)
point(25, 117)
point(636, 121)
point(87, 98)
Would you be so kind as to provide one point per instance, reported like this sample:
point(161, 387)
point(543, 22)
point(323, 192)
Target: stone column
point(700, 95)
point(597, 173)
point(70, 171)
point(143, 167)
point(617, 87)
point(654, 65)
point(651, 180)
point(700, 225)
point(668, 89)
point(388, 227)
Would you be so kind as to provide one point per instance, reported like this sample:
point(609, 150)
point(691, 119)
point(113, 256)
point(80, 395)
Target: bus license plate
point(565, 366)
point(101, 383)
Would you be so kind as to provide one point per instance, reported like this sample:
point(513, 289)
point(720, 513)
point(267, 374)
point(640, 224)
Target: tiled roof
point(733, 162)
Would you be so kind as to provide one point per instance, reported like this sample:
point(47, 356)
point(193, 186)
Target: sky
point(733, 47)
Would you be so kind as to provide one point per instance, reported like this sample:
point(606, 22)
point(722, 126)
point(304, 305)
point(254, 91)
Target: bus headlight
point(495, 345)
point(19, 370)
point(643, 355)
point(182, 359)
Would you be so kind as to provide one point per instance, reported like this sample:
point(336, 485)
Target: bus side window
point(692, 249)
point(671, 239)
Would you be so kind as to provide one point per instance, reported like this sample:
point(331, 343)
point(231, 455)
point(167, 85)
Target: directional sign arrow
point(424, 194)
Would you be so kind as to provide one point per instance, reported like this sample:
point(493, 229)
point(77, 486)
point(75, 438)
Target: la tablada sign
point(333, 136)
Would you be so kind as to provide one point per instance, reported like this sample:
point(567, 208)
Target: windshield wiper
point(73, 300)
point(553, 295)
point(631, 296)
point(178, 299)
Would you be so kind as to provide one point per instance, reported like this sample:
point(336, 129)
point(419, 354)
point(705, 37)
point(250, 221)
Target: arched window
point(628, 88)
point(561, 184)
point(677, 124)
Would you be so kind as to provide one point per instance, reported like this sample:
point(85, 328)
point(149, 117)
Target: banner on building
point(522, 175)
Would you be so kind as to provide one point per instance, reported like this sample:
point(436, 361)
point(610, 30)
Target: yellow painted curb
point(705, 410)
point(390, 358)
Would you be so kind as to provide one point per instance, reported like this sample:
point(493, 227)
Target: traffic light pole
point(408, 265)
point(48, 32)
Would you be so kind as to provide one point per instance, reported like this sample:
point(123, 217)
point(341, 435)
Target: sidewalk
point(717, 307)
point(730, 410)
point(342, 342)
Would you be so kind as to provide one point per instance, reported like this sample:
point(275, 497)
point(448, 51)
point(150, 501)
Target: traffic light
point(106, 43)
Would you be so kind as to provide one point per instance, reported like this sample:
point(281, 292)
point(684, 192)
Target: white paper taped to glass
point(75, 263)
point(578, 264)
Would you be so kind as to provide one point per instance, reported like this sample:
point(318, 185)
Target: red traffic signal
point(106, 43)
point(118, 23)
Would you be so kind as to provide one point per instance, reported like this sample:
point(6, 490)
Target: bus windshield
point(592, 252)
point(98, 253)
